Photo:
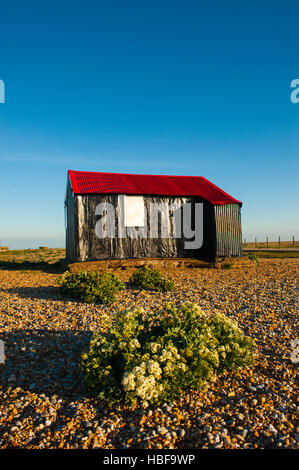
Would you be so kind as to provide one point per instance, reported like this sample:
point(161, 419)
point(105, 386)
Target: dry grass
point(283, 244)
point(32, 259)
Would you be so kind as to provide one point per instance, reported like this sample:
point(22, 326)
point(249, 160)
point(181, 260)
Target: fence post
point(293, 240)
point(278, 242)
point(255, 242)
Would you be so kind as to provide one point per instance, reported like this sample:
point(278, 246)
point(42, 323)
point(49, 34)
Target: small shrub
point(153, 358)
point(227, 265)
point(151, 278)
point(253, 257)
point(90, 286)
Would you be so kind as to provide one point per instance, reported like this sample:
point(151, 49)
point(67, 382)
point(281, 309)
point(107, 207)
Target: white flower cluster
point(134, 343)
point(169, 353)
point(154, 347)
point(105, 346)
point(170, 359)
point(143, 379)
point(148, 388)
point(154, 368)
point(222, 351)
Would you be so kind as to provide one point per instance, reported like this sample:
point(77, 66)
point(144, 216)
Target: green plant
point(90, 286)
point(151, 278)
point(254, 257)
point(227, 265)
point(152, 358)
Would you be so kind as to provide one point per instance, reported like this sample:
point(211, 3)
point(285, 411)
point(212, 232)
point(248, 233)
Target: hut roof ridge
point(89, 182)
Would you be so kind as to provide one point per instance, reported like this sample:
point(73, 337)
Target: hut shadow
point(44, 292)
point(50, 293)
point(44, 361)
point(57, 267)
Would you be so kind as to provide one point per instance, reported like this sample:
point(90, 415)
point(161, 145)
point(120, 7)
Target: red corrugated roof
point(87, 182)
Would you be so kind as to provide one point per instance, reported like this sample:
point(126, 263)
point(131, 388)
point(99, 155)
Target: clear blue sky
point(174, 87)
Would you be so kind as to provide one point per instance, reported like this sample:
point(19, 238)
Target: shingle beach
point(42, 403)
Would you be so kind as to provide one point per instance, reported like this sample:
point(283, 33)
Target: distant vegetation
point(274, 254)
point(32, 259)
point(53, 260)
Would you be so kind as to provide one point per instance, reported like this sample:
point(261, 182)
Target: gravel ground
point(42, 404)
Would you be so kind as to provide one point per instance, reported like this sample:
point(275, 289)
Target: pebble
point(43, 405)
point(207, 428)
point(162, 430)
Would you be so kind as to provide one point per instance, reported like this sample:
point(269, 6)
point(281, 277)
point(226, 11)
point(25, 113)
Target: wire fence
point(267, 243)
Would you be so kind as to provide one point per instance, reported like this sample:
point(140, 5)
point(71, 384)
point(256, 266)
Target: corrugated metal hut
point(117, 216)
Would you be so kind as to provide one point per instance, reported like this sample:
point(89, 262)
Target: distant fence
point(270, 244)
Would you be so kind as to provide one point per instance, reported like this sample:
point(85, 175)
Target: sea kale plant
point(151, 278)
point(152, 358)
point(90, 286)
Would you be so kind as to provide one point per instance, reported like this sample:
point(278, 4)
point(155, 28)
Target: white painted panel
point(134, 211)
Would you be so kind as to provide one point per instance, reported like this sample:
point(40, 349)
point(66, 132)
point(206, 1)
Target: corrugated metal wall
point(71, 229)
point(228, 230)
point(89, 247)
point(222, 232)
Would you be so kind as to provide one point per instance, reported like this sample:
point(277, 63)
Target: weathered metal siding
point(90, 247)
point(228, 230)
point(221, 224)
point(71, 229)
